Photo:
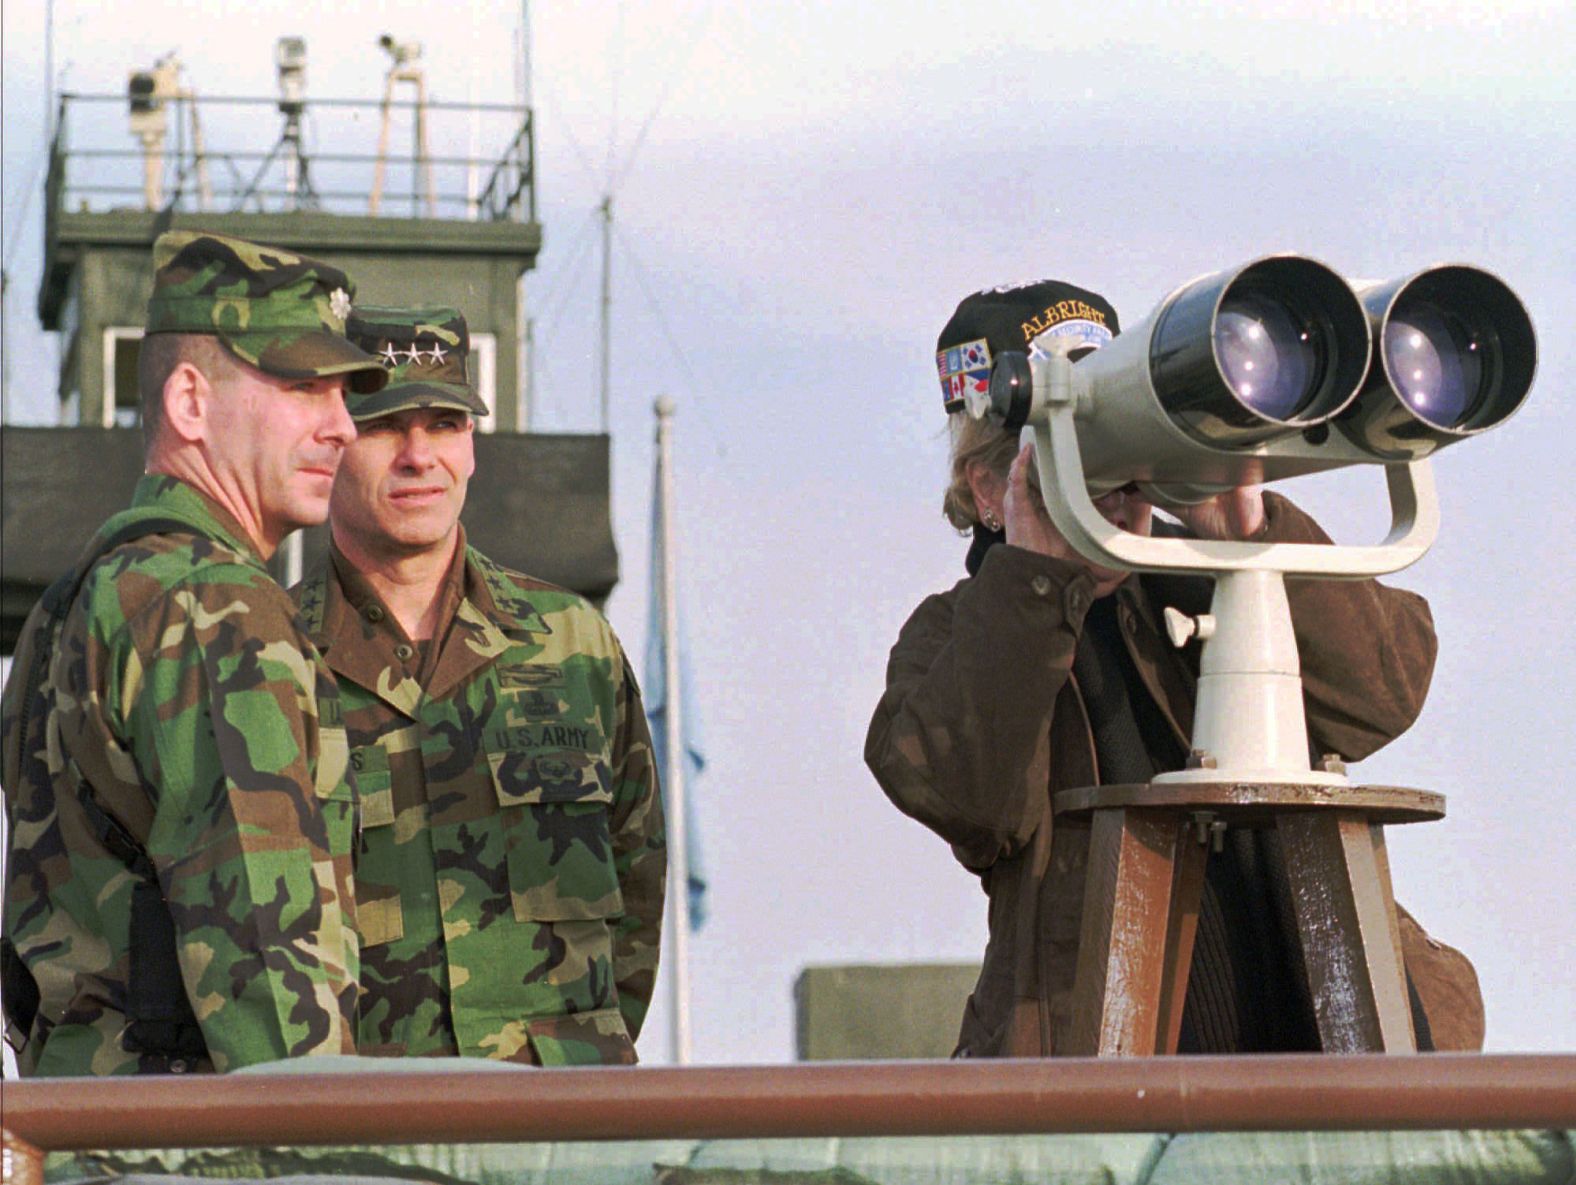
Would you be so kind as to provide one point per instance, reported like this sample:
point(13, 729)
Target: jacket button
point(374, 613)
point(403, 652)
point(1076, 601)
point(1041, 585)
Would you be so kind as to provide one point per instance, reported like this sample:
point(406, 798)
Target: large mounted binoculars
point(1268, 371)
point(1282, 367)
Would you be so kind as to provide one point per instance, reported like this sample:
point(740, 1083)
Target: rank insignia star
point(414, 353)
point(388, 355)
point(339, 303)
point(437, 353)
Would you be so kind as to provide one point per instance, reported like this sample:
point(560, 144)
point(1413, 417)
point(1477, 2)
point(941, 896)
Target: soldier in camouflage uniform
point(510, 879)
point(178, 892)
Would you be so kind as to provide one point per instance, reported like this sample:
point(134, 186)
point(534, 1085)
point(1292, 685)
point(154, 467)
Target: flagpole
point(673, 775)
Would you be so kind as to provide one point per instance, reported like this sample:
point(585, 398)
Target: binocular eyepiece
point(1284, 362)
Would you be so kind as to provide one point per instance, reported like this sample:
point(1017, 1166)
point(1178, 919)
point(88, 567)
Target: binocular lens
point(1456, 357)
point(1242, 356)
point(1435, 363)
point(1267, 354)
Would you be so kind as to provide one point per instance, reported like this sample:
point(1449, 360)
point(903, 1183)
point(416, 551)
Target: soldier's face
point(403, 481)
point(276, 445)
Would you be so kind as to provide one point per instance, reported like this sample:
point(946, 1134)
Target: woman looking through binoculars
point(1040, 672)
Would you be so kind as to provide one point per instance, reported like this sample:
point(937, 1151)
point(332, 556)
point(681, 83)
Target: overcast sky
point(816, 188)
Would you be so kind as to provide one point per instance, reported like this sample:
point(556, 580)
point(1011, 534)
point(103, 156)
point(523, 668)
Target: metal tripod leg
point(1339, 876)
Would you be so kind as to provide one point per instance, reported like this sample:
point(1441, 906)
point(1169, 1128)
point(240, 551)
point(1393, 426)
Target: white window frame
point(113, 335)
point(484, 349)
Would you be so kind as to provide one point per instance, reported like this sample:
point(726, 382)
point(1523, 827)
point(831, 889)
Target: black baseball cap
point(1015, 317)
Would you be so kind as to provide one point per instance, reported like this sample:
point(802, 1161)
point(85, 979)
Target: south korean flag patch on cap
point(962, 369)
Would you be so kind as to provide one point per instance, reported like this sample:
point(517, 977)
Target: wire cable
point(549, 101)
point(640, 275)
point(577, 248)
point(675, 77)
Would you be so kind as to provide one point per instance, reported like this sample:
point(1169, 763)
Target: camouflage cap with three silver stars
point(424, 350)
point(278, 311)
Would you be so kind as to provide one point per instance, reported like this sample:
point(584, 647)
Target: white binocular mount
point(1271, 370)
point(1249, 724)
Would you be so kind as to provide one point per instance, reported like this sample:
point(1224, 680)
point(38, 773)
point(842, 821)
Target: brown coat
point(982, 722)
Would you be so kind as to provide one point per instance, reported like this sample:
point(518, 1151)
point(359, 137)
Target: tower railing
point(245, 154)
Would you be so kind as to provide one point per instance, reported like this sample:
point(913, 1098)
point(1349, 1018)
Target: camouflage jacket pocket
point(555, 806)
point(581, 1039)
point(374, 785)
point(379, 910)
point(336, 789)
point(333, 761)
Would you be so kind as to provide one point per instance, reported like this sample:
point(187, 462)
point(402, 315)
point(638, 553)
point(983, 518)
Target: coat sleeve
point(217, 696)
point(960, 740)
point(1367, 650)
point(640, 856)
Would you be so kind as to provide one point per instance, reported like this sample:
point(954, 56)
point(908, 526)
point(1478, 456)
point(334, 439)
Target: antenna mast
point(607, 306)
point(525, 333)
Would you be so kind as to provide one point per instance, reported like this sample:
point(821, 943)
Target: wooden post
point(1187, 895)
point(1123, 943)
point(20, 1162)
point(1145, 882)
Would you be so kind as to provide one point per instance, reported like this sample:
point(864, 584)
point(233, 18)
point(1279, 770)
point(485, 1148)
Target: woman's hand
point(1029, 526)
point(1236, 514)
point(1023, 512)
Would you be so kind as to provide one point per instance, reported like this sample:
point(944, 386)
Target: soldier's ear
point(187, 396)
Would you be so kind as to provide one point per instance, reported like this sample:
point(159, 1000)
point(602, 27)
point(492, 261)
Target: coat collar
point(169, 497)
point(358, 636)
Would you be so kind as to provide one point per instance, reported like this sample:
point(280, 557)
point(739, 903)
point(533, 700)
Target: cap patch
point(1079, 329)
point(962, 369)
point(392, 354)
point(1064, 311)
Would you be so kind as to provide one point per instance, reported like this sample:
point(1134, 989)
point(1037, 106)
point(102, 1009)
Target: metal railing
point(402, 1107)
point(213, 153)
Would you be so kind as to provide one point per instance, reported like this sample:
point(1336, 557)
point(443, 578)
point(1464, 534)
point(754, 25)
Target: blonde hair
point(973, 442)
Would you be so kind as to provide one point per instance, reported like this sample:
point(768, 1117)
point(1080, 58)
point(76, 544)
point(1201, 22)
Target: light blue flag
point(654, 690)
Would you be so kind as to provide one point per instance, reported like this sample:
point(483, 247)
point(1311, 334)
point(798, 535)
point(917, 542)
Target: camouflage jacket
point(184, 711)
point(512, 862)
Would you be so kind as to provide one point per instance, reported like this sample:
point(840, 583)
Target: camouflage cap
point(281, 312)
point(424, 350)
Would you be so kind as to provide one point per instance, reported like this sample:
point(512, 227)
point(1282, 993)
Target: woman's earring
point(992, 523)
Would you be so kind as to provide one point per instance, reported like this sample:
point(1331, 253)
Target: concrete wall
point(876, 1012)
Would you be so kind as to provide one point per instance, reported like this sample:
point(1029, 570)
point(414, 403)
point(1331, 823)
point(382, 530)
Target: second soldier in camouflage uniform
point(178, 890)
point(510, 879)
